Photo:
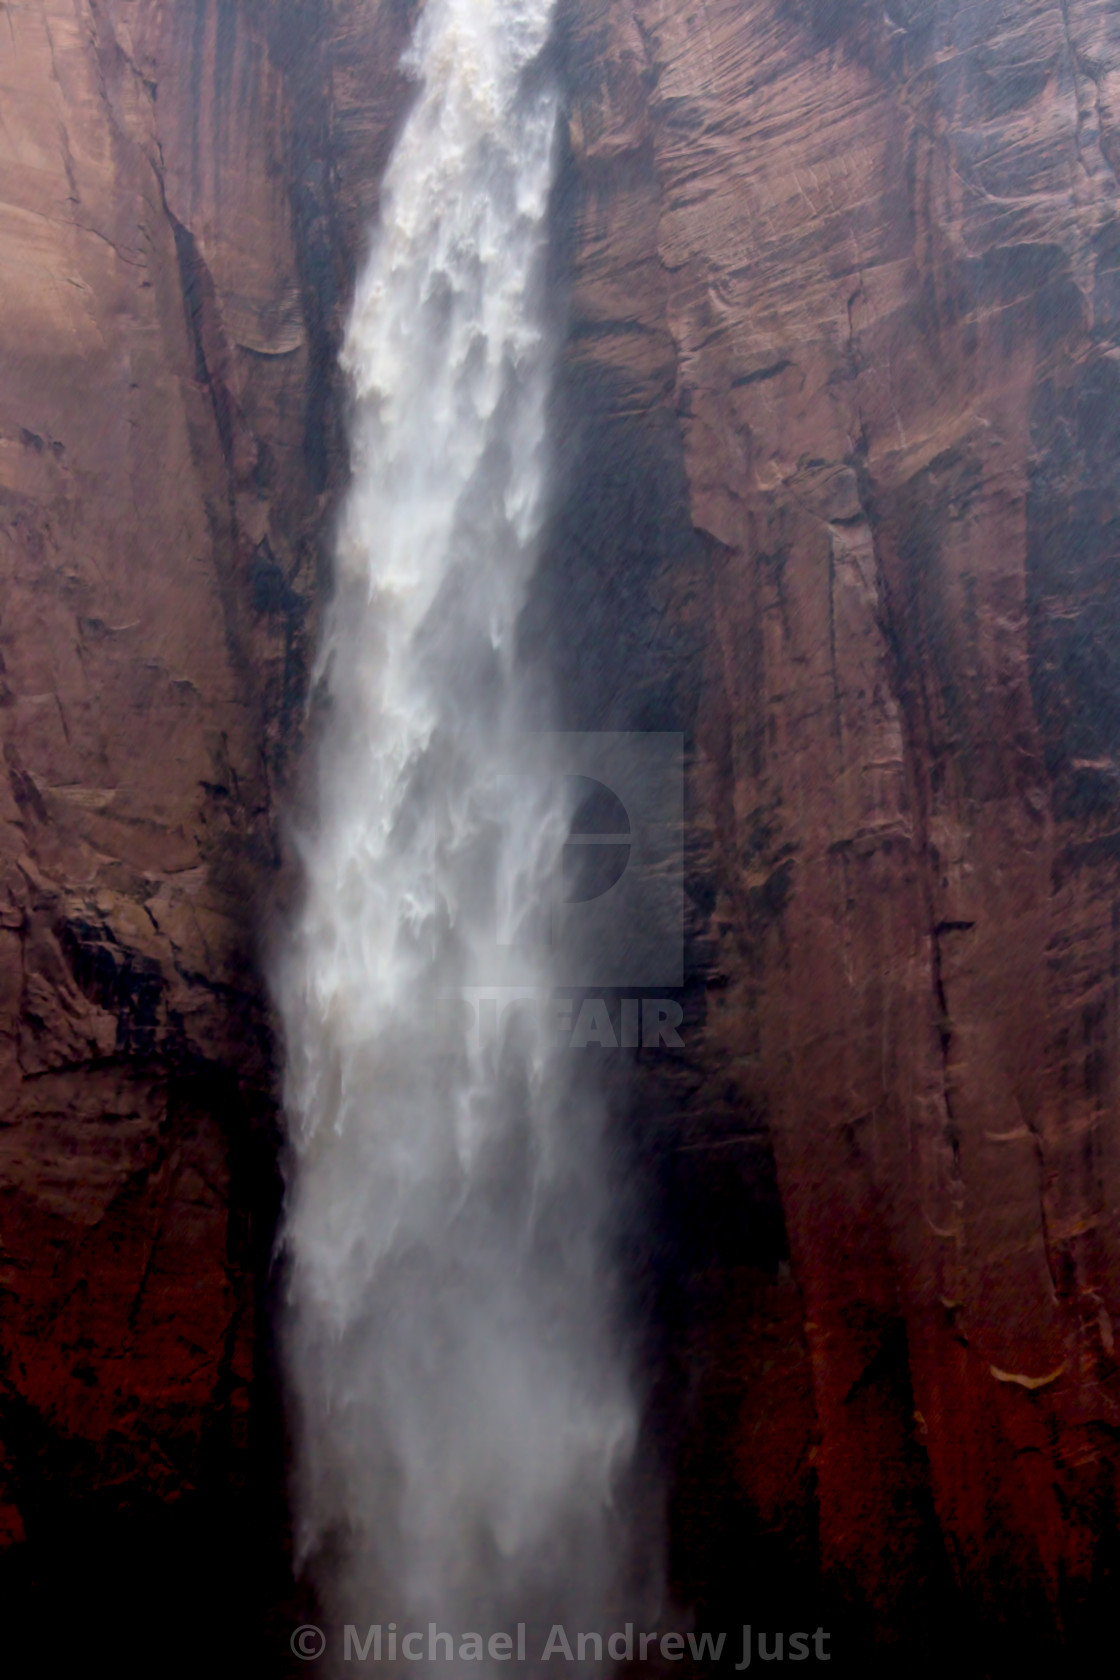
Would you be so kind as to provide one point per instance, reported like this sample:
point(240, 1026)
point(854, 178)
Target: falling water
point(463, 1409)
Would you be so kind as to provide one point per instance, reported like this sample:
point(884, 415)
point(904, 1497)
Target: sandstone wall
point(179, 226)
point(863, 264)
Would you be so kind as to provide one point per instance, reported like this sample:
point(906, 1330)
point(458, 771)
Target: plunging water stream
point(463, 1408)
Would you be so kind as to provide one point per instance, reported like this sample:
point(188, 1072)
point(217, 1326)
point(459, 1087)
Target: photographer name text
point(387, 1643)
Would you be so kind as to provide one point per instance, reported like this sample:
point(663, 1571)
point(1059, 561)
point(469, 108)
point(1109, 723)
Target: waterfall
point(461, 1397)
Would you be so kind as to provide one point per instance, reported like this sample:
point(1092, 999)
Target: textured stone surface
point(866, 262)
point(177, 227)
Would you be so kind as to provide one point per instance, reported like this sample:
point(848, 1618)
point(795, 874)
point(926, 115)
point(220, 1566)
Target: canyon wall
point(855, 270)
point(177, 237)
point(838, 429)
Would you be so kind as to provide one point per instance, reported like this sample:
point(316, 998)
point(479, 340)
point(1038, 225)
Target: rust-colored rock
point(867, 261)
point(176, 230)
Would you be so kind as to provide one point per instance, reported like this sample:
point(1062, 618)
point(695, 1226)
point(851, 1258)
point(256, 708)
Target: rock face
point(176, 231)
point(839, 495)
point(856, 271)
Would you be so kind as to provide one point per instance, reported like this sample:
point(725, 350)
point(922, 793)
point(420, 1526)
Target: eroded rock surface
point(864, 262)
point(177, 228)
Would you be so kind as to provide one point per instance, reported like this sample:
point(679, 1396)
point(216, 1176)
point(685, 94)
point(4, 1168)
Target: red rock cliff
point(862, 264)
point(839, 423)
point(177, 229)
